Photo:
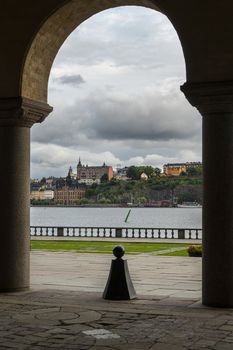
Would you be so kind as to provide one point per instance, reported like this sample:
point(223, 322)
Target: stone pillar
point(215, 103)
point(17, 115)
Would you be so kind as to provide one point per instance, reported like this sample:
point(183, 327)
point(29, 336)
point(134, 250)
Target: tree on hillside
point(104, 178)
point(193, 171)
point(157, 172)
point(148, 170)
point(133, 172)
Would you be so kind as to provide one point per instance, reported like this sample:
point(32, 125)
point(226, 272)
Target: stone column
point(17, 115)
point(215, 103)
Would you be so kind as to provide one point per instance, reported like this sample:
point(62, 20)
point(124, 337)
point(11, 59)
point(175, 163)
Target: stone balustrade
point(117, 232)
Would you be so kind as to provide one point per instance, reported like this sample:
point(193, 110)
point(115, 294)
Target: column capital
point(22, 111)
point(210, 97)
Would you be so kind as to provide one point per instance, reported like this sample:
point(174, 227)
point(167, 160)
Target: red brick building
point(68, 195)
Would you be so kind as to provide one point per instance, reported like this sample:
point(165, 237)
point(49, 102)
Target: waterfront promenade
point(64, 308)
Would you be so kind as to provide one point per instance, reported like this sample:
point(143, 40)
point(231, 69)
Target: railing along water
point(116, 232)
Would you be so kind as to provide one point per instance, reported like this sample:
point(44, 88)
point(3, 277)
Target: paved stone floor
point(151, 275)
point(64, 308)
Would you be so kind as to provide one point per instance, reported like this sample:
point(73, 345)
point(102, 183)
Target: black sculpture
point(119, 285)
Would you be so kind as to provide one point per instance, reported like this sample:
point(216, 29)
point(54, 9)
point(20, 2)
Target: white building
point(89, 182)
point(144, 176)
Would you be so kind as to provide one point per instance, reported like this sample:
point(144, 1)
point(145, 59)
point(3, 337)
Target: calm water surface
point(112, 217)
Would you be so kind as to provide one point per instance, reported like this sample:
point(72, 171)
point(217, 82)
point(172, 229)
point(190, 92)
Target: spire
point(70, 172)
point(79, 162)
point(69, 177)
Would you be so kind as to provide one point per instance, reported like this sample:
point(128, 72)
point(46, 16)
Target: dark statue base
point(119, 285)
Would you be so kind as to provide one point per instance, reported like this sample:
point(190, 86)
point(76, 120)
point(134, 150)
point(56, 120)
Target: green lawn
point(178, 253)
point(106, 247)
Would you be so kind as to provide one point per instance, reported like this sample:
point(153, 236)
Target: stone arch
point(31, 35)
point(52, 35)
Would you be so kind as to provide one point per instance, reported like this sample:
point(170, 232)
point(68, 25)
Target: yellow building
point(42, 194)
point(176, 169)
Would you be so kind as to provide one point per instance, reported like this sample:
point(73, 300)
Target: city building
point(34, 180)
point(176, 169)
point(121, 174)
point(42, 194)
point(50, 181)
point(93, 174)
point(71, 174)
point(68, 195)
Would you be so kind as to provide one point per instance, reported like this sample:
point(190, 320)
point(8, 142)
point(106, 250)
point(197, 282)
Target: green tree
point(148, 170)
point(194, 171)
point(157, 172)
point(187, 197)
point(83, 201)
point(141, 200)
point(105, 201)
point(133, 172)
point(104, 178)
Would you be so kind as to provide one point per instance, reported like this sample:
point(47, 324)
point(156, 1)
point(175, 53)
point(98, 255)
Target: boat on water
point(189, 205)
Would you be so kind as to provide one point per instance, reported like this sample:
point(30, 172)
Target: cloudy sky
point(115, 91)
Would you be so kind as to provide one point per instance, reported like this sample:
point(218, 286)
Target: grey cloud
point(61, 128)
point(74, 80)
point(136, 112)
point(143, 120)
point(131, 36)
point(153, 116)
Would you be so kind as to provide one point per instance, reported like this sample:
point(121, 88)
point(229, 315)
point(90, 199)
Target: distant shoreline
point(77, 206)
point(106, 206)
point(88, 206)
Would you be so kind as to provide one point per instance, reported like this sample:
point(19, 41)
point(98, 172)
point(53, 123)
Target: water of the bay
point(115, 217)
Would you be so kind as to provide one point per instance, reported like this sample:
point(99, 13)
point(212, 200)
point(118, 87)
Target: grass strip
point(105, 247)
point(177, 253)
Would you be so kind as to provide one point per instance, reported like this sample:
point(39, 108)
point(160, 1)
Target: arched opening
point(143, 86)
point(32, 29)
point(169, 92)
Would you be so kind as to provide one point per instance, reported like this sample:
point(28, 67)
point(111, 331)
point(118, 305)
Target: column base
point(218, 305)
point(14, 290)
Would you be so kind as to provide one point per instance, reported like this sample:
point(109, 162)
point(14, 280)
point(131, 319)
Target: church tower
point(79, 169)
point(70, 173)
